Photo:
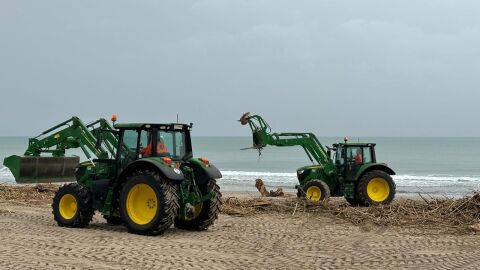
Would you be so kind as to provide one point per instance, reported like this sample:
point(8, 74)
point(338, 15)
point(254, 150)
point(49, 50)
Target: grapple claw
point(244, 119)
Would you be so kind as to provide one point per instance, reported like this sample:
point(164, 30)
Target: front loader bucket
point(30, 169)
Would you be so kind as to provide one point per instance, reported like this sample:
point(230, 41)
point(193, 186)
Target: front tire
point(148, 204)
point(316, 191)
point(376, 188)
point(300, 193)
point(72, 206)
point(204, 213)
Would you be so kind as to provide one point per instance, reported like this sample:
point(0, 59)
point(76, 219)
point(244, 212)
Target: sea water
point(437, 166)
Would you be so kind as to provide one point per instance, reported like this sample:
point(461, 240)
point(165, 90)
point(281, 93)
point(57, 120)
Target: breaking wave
point(407, 183)
point(6, 177)
point(437, 180)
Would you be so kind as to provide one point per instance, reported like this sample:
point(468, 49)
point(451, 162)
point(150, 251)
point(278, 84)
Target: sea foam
point(245, 180)
point(6, 176)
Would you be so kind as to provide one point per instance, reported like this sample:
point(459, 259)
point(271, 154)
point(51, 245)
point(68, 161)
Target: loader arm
point(308, 141)
point(109, 136)
point(34, 167)
point(71, 133)
point(262, 137)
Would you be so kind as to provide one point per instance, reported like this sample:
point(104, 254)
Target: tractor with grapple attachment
point(143, 175)
point(345, 169)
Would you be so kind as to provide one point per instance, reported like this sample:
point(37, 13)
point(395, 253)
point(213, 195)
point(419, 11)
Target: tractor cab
point(165, 142)
point(358, 153)
point(350, 157)
point(167, 145)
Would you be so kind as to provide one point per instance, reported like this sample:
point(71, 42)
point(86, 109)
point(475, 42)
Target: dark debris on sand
point(444, 214)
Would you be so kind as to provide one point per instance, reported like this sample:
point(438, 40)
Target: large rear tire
point(148, 203)
point(204, 213)
point(72, 206)
point(376, 188)
point(316, 191)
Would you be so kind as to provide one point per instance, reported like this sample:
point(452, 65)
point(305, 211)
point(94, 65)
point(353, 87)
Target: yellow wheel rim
point(378, 189)
point(68, 206)
point(198, 209)
point(313, 194)
point(141, 204)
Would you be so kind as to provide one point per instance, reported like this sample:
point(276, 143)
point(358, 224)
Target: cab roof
point(168, 126)
point(354, 144)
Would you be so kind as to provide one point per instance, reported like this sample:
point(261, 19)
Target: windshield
point(169, 144)
point(359, 154)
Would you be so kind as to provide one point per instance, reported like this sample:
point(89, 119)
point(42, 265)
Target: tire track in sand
point(30, 239)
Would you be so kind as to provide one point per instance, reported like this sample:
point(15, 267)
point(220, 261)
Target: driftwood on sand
point(263, 190)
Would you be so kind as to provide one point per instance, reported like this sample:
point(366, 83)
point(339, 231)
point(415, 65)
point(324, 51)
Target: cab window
point(339, 156)
point(367, 155)
point(145, 147)
point(355, 155)
point(179, 150)
point(171, 144)
point(130, 142)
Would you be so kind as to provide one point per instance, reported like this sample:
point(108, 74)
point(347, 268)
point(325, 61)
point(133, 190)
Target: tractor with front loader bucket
point(143, 175)
point(346, 169)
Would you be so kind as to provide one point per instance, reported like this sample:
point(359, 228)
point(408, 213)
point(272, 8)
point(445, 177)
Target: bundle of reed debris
point(27, 193)
point(446, 213)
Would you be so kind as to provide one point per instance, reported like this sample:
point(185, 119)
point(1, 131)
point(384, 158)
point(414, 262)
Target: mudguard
point(212, 172)
point(170, 173)
point(374, 166)
point(203, 173)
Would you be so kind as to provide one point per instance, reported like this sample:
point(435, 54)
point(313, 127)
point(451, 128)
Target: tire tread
point(84, 206)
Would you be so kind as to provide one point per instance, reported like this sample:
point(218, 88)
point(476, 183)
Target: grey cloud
point(357, 68)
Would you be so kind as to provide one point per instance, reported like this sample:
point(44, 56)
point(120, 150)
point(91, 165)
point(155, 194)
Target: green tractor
point(346, 169)
point(144, 176)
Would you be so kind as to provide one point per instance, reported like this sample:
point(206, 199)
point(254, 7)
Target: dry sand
point(30, 239)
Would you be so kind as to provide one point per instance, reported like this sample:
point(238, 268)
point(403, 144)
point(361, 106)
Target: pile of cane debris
point(28, 193)
point(444, 214)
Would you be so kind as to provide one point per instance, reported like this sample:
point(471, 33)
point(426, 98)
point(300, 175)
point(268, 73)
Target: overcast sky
point(356, 68)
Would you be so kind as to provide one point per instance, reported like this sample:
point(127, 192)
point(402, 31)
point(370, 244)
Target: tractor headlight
point(300, 172)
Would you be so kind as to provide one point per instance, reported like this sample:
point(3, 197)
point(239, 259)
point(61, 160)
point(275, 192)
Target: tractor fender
point(148, 164)
point(203, 174)
point(374, 166)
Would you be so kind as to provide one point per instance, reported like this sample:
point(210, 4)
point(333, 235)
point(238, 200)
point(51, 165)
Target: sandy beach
point(30, 239)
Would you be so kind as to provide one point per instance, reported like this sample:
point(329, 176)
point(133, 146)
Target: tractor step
point(31, 169)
